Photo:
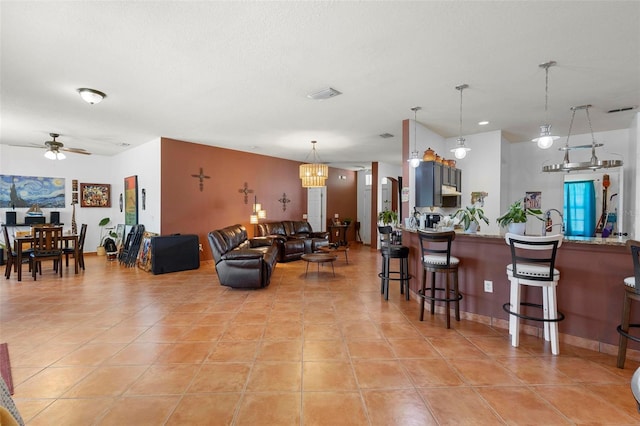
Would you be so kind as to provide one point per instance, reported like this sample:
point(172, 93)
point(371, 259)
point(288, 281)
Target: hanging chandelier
point(415, 159)
point(545, 140)
point(460, 151)
point(314, 174)
point(594, 163)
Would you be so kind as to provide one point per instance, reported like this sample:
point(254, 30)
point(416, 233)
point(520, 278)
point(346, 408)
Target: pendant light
point(594, 163)
point(414, 159)
point(545, 140)
point(460, 151)
point(313, 174)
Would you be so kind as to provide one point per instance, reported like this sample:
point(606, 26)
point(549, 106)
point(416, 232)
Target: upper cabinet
point(437, 185)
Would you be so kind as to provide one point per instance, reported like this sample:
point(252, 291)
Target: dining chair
point(12, 256)
point(70, 251)
point(47, 245)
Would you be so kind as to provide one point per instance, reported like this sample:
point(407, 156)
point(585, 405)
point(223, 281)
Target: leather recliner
point(294, 238)
point(241, 262)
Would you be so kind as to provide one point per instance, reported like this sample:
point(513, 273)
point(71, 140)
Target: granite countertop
point(611, 241)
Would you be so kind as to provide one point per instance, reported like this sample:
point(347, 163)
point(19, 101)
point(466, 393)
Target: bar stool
point(533, 264)
point(631, 293)
point(393, 251)
point(435, 248)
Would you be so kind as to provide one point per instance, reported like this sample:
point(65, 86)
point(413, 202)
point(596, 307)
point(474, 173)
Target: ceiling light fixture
point(460, 151)
point(91, 96)
point(53, 151)
point(414, 159)
point(594, 164)
point(545, 140)
point(323, 94)
point(314, 174)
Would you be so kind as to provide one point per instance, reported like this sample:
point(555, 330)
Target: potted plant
point(470, 217)
point(104, 234)
point(347, 221)
point(388, 217)
point(515, 219)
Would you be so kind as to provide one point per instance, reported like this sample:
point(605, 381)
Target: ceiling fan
point(54, 147)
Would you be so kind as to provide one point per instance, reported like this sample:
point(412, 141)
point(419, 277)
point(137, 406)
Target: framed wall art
point(27, 191)
point(131, 200)
point(95, 195)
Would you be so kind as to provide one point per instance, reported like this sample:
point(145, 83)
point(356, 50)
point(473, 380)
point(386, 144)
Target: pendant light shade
point(314, 174)
point(91, 96)
point(545, 140)
point(415, 159)
point(460, 151)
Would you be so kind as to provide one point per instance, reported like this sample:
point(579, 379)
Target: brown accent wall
point(187, 210)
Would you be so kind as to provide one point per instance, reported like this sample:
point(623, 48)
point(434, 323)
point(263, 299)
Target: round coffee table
point(319, 258)
point(335, 250)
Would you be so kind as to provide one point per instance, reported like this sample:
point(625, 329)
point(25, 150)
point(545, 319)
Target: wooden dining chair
point(70, 251)
point(47, 245)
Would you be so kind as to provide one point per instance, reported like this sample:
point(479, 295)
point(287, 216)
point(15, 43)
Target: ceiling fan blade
point(76, 150)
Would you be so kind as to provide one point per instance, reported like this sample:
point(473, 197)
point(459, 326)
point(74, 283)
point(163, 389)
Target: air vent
point(629, 108)
point(386, 135)
point(327, 93)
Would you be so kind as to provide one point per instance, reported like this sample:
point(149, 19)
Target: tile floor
point(119, 346)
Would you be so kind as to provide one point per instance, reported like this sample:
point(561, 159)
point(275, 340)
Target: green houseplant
point(104, 234)
point(388, 217)
point(470, 217)
point(517, 214)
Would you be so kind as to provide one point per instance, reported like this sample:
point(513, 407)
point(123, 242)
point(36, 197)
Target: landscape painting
point(27, 191)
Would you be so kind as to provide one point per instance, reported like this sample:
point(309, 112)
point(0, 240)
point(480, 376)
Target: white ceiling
point(236, 74)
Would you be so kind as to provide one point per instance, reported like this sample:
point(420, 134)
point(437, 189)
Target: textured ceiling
point(236, 74)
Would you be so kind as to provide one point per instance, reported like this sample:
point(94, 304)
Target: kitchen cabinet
point(430, 177)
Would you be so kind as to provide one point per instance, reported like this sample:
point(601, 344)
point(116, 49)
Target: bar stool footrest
point(399, 278)
point(626, 333)
point(441, 299)
point(507, 306)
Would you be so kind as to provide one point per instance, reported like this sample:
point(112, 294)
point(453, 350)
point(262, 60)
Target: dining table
point(19, 241)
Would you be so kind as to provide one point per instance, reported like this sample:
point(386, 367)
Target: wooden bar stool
point(631, 292)
point(393, 251)
point(533, 264)
point(435, 248)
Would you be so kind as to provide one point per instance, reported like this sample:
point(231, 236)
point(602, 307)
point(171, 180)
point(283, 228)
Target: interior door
point(317, 208)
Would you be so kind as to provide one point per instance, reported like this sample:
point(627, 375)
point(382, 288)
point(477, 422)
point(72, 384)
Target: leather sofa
point(294, 238)
point(242, 262)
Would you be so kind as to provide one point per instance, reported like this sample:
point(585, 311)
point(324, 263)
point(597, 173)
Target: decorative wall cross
point(202, 177)
point(284, 200)
point(246, 191)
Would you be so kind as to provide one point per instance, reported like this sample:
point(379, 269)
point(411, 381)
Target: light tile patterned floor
point(119, 346)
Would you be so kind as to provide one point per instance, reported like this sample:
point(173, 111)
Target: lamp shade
point(313, 175)
point(253, 219)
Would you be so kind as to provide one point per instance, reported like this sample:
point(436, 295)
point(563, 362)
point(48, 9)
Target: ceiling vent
point(386, 135)
point(327, 93)
point(623, 109)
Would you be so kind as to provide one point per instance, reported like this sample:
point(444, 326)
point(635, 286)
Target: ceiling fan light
point(50, 155)
point(60, 156)
point(91, 96)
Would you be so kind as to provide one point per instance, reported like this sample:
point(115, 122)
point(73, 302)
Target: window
point(580, 208)
point(367, 180)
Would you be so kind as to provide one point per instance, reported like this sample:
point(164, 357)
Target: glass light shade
point(50, 155)
point(257, 207)
point(460, 151)
point(253, 219)
point(91, 96)
point(313, 175)
point(545, 140)
point(60, 156)
point(415, 159)
point(262, 214)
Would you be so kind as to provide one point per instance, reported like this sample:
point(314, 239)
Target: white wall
point(143, 161)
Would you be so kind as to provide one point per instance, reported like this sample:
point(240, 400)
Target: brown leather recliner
point(241, 262)
point(294, 238)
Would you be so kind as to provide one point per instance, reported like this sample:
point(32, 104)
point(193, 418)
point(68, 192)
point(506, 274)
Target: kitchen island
point(590, 292)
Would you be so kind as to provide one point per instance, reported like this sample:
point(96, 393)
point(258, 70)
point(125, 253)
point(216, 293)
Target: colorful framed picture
point(533, 200)
point(95, 195)
point(131, 200)
point(28, 191)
